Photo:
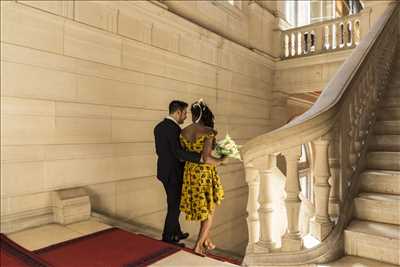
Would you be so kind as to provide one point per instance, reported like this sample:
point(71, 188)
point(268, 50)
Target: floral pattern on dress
point(202, 189)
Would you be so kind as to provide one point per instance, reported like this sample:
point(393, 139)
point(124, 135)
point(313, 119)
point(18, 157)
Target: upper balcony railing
point(332, 35)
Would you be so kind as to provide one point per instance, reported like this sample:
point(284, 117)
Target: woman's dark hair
point(200, 109)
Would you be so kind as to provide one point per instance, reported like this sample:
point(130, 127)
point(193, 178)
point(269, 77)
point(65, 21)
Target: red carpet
point(217, 257)
point(112, 248)
point(13, 255)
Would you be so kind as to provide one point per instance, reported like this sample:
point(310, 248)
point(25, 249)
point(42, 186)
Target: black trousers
point(171, 225)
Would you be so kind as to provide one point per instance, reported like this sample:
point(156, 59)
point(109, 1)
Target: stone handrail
point(336, 127)
point(332, 35)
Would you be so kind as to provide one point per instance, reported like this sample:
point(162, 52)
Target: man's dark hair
point(176, 105)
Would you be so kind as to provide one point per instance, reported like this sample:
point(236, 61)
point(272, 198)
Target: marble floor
point(43, 236)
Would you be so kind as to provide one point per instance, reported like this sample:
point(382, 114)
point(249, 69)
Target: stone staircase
point(374, 232)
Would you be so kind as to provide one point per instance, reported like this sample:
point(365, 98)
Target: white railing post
point(321, 225)
point(265, 166)
point(292, 240)
point(253, 221)
point(319, 39)
point(348, 32)
point(334, 167)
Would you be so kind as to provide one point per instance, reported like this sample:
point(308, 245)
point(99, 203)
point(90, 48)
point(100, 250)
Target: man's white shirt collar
point(172, 119)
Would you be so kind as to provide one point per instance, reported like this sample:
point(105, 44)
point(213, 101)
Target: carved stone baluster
point(345, 34)
point(372, 100)
point(292, 240)
point(293, 44)
point(321, 225)
point(334, 165)
point(300, 43)
point(337, 34)
point(352, 135)
point(319, 39)
point(311, 41)
point(341, 39)
point(359, 112)
point(356, 32)
point(306, 49)
point(328, 36)
point(265, 166)
point(253, 222)
point(349, 34)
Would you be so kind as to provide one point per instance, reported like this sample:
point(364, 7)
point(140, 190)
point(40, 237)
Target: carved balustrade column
point(337, 36)
point(292, 239)
point(345, 34)
point(349, 37)
point(319, 38)
point(265, 211)
point(321, 225)
point(301, 45)
point(340, 35)
point(309, 41)
point(293, 44)
point(334, 167)
point(306, 46)
point(355, 32)
point(253, 221)
point(283, 46)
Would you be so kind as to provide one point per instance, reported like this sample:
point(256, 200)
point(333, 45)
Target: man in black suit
point(170, 163)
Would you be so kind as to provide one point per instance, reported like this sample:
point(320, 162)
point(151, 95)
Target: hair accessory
point(198, 104)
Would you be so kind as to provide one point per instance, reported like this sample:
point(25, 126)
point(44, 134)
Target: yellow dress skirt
point(202, 188)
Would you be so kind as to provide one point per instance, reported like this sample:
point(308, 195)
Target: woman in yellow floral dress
point(202, 189)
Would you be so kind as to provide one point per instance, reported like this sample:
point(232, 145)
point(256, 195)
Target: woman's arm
point(207, 149)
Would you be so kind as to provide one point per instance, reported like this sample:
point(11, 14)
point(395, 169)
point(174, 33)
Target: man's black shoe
point(182, 236)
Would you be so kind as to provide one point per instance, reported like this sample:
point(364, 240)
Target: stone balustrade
point(336, 129)
point(332, 35)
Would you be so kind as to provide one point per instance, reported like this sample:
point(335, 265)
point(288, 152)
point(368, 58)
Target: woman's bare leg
point(203, 234)
point(207, 242)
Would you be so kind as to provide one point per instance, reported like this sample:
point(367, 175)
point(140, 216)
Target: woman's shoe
point(208, 245)
point(198, 251)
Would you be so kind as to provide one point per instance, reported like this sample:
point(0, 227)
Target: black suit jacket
point(171, 156)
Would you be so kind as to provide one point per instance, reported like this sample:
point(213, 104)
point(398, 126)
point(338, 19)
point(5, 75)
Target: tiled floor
point(43, 236)
point(184, 259)
point(50, 234)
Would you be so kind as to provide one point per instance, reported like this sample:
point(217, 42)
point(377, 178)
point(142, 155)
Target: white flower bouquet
point(227, 148)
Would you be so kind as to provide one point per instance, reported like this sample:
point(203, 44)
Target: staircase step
point(383, 160)
point(377, 241)
point(391, 102)
point(378, 207)
point(387, 114)
point(384, 142)
point(351, 261)
point(387, 127)
point(387, 182)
